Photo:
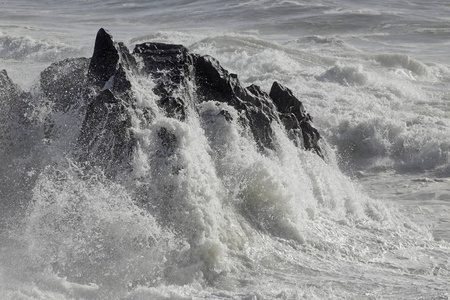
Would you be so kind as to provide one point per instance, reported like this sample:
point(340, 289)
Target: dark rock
point(158, 57)
point(18, 133)
point(169, 141)
point(105, 138)
point(109, 63)
point(105, 59)
point(7, 87)
point(120, 80)
point(13, 101)
point(64, 82)
point(285, 101)
point(10, 93)
point(215, 83)
point(182, 81)
point(63, 86)
point(294, 117)
point(171, 68)
point(18, 137)
point(311, 137)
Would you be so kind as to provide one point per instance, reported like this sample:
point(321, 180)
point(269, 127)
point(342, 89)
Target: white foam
point(29, 48)
point(346, 75)
point(218, 219)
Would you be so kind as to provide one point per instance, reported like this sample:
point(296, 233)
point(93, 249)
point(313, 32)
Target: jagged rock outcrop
point(110, 63)
point(13, 100)
point(63, 83)
point(215, 83)
point(18, 137)
point(13, 111)
point(172, 67)
point(182, 81)
point(294, 117)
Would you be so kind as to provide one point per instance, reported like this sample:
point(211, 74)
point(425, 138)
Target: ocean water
point(372, 221)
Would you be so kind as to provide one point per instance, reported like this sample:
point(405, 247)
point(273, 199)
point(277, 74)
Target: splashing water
point(205, 214)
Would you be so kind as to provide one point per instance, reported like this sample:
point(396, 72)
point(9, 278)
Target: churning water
point(372, 221)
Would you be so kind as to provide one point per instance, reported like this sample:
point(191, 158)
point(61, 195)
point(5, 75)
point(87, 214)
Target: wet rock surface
point(101, 89)
point(14, 108)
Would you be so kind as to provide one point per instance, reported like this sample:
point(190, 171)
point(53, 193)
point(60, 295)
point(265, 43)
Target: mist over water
point(216, 218)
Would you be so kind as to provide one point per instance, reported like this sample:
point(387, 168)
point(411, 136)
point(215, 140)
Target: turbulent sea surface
point(372, 221)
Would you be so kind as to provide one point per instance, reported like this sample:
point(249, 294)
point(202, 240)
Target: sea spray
point(195, 224)
point(86, 228)
point(203, 212)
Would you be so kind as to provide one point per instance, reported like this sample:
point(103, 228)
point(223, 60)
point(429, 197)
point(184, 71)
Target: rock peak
point(183, 81)
point(105, 58)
